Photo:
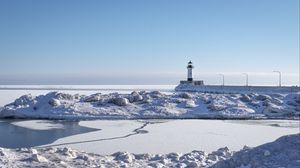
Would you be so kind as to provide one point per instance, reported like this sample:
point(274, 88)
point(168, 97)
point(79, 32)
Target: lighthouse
point(190, 80)
point(190, 71)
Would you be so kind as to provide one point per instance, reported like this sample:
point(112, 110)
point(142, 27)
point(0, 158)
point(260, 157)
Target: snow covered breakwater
point(284, 152)
point(139, 105)
point(237, 89)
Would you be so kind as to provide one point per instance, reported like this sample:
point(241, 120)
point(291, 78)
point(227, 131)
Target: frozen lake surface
point(143, 136)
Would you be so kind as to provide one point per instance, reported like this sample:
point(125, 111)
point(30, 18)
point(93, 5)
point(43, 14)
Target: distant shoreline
point(84, 89)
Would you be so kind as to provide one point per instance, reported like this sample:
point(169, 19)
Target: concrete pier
point(237, 89)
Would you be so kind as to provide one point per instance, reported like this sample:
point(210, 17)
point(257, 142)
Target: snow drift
point(155, 104)
point(284, 152)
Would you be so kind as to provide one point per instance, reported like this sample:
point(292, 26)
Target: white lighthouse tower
point(190, 71)
point(190, 80)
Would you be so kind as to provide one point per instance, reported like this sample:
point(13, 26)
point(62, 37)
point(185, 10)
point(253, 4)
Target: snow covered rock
point(135, 97)
point(193, 156)
point(216, 107)
point(206, 99)
point(283, 152)
point(274, 110)
point(32, 151)
point(222, 153)
point(2, 153)
point(267, 102)
point(153, 104)
point(38, 158)
point(120, 101)
point(263, 97)
point(64, 96)
point(67, 152)
point(293, 103)
point(124, 157)
point(24, 100)
point(190, 104)
point(93, 98)
point(277, 101)
point(245, 98)
point(147, 98)
point(185, 95)
point(83, 157)
point(54, 102)
point(156, 94)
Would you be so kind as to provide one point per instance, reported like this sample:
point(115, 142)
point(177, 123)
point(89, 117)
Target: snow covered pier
point(191, 85)
point(236, 89)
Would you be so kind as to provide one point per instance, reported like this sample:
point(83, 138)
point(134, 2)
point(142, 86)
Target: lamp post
point(246, 78)
point(279, 73)
point(223, 79)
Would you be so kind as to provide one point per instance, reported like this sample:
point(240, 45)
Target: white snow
point(152, 137)
point(154, 104)
point(284, 152)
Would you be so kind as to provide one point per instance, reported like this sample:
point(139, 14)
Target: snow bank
point(284, 152)
point(140, 105)
point(66, 157)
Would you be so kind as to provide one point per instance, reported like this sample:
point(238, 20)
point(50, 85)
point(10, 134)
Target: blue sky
point(148, 41)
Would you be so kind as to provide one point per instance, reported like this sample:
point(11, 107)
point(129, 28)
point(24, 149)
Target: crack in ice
point(136, 131)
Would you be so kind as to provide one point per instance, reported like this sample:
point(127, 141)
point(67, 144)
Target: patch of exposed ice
point(38, 124)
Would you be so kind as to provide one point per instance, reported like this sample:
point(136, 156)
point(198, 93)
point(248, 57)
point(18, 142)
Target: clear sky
point(148, 41)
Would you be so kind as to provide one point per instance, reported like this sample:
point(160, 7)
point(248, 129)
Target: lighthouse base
point(191, 82)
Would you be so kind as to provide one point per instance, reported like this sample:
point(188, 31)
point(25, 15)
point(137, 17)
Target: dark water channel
point(13, 136)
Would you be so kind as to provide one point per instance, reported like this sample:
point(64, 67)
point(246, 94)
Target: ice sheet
point(175, 135)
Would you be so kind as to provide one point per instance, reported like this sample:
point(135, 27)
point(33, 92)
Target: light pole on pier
point(279, 73)
point(223, 79)
point(246, 78)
